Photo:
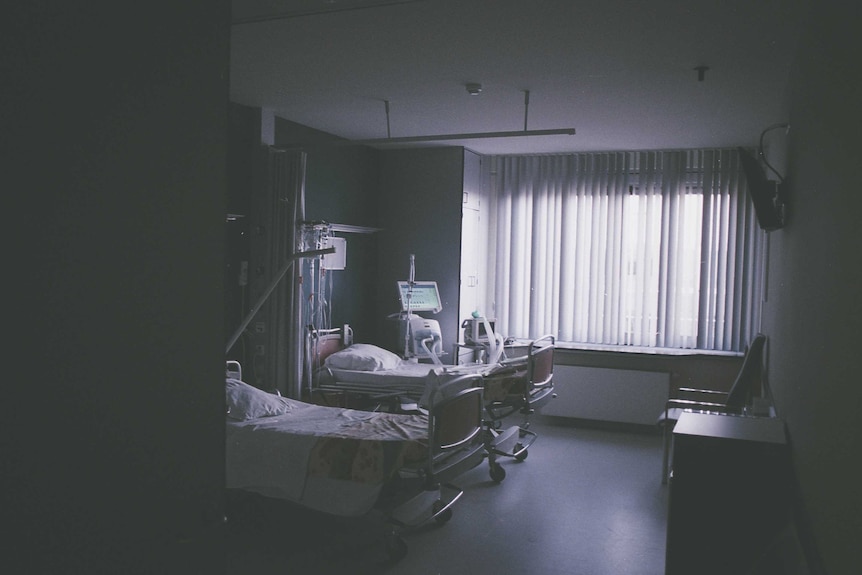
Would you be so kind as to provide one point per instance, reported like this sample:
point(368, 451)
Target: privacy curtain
point(656, 249)
point(279, 210)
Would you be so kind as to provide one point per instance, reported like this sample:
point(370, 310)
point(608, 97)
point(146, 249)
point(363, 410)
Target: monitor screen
point(423, 297)
point(763, 192)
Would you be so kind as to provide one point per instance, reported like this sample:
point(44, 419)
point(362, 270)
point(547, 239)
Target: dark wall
point(412, 196)
point(420, 212)
point(815, 272)
point(341, 186)
point(244, 138)
point(114, 168)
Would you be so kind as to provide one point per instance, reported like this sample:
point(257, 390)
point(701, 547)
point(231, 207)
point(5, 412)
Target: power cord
point(760, 148)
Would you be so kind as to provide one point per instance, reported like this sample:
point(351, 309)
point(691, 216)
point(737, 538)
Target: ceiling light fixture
point(464, 136)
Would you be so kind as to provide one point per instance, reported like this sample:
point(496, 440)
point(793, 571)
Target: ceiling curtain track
point(319, 8)
point(462, 136)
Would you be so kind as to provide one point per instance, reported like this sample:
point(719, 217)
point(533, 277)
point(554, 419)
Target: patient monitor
point(423, 296)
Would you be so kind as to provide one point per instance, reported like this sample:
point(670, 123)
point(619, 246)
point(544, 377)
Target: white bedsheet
point(271, 455)
point(407, 377)
point(418, 381)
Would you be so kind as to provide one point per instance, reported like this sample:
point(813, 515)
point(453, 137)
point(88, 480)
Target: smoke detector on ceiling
point(473, 88)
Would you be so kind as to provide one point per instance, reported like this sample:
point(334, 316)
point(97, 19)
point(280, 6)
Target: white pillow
point(363, 357)
point(248, 402)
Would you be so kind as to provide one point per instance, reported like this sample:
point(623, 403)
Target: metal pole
point(270, 288)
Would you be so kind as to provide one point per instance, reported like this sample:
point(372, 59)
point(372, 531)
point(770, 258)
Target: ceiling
point(622, 73)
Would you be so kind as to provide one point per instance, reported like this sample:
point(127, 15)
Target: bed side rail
point(457, 420)
point(541, 361)
point(540, 388)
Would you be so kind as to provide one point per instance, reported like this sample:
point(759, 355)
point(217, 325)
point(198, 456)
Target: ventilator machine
point(420, 337)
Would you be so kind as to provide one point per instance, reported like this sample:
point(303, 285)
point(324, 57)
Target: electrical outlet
point(259, 327)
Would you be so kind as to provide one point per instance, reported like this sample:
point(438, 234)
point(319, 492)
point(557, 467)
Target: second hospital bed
point(348, 462)
point(521, 384)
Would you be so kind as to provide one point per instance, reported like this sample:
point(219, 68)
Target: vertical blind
point(656, 249)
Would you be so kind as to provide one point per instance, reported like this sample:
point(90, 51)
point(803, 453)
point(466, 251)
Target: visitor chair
point(733, 401)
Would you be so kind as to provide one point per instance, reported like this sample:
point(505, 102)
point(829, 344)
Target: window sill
point(633, 349)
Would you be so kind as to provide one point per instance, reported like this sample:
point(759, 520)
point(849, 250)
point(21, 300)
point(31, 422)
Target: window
point(655, 249)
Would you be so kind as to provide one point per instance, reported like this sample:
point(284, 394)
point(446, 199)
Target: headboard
point(324, 342)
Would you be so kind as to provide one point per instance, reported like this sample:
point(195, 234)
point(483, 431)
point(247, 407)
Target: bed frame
point(420, 490)
point(456, 445)
point(534, 389)
point(522, 384)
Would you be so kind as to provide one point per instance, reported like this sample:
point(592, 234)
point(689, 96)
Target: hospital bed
point(521, 384)
point(354, 463)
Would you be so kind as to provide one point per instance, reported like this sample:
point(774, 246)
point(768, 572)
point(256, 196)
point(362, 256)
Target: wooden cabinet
point(730, 492)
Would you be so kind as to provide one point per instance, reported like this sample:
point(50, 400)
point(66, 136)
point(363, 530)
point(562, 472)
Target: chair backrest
point(749, 374)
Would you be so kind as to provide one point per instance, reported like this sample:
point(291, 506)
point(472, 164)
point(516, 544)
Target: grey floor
point(585, 501)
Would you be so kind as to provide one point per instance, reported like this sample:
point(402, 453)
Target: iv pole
point(278, 277)
point(410, 283)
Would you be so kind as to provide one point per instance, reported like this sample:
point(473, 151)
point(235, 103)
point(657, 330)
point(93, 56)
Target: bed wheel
point(396, 548)
point(523, 452)
point(497, 472)
point(443, 517)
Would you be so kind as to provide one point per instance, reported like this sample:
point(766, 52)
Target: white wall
point(474, 240)
point(611, 395)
